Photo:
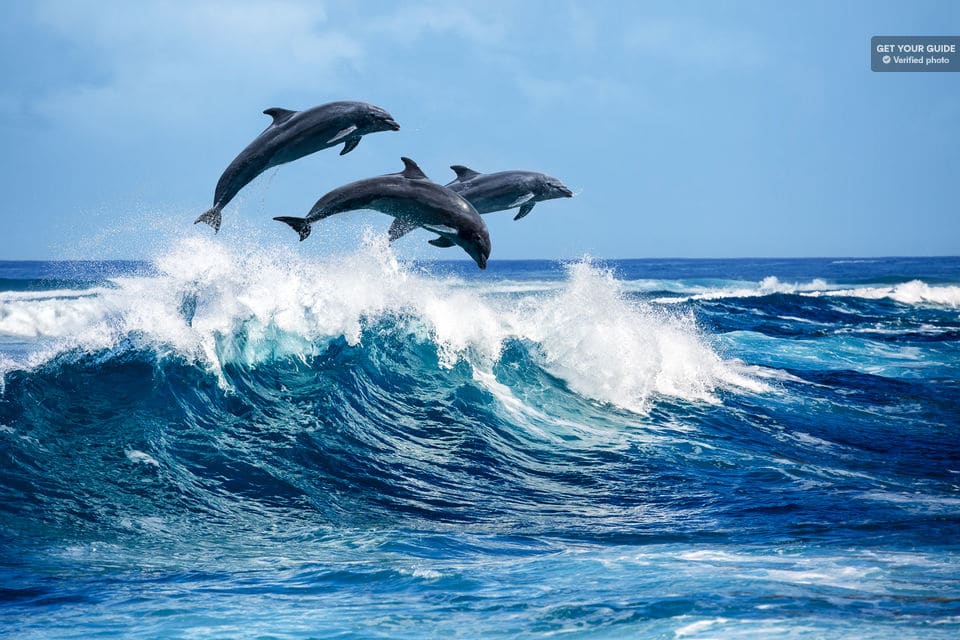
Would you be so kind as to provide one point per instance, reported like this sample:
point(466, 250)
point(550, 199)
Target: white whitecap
point(134, 455)
point(214, 304)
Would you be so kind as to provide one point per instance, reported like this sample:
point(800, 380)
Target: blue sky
point(688, 129)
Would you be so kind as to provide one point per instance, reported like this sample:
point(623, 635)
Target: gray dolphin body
point(489, 192)
point(293, 135)
point(413, 198)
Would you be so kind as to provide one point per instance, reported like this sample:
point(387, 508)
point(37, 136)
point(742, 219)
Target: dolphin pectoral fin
point(464, 173)
point(442, 242)
point(343, 133)
point(279, 115)
point(350, 145)
point(400, 228)
point(526, 197)
point(300, 225)
point(211, 217)
point(412, 171)
point(447, 235)
point(524, 210)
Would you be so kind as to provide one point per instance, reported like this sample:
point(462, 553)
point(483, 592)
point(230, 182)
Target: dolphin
point(293, 135)
point(498, 191)
point(412, 197)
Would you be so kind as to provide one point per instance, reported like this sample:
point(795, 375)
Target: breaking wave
point(915, 292)
point(214, 306)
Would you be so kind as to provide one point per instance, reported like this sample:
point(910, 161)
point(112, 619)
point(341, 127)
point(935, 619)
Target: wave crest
point(215, 305)
point(915, 292)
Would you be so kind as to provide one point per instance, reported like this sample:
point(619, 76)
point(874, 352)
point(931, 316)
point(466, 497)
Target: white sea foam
point(856, 261)
point(858, 572)
point(426, 573)
point(500, 287)
point(611, 349)
point(52, 317)
point(766, 287)
point(7, 296)
point(700, 626)
point(915, 292)
point(216, 305)
point(140, 457)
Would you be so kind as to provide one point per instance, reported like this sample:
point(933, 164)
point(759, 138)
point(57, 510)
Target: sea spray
point(214, 304)
point(361, 445)
point(617, 350)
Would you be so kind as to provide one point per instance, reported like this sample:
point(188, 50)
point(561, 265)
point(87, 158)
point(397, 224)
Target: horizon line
point(581, 257)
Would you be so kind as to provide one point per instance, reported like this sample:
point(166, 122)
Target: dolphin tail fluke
point(300, 225)
point(211, 217)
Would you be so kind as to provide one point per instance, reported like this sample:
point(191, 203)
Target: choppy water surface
point(227, 443)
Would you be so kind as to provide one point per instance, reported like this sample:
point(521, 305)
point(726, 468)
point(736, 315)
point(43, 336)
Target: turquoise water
point(222, 444)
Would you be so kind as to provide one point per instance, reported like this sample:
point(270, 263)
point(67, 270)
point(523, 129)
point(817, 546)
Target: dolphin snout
point(565, 191)
point(393, 124)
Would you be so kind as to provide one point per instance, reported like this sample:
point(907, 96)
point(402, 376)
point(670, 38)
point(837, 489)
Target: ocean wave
point(768, 286)
point(856, 261)
point(46, 294)
point(251, 422)
point(217, 306)
point(915, 292)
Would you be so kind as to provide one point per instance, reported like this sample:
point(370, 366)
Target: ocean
point(226, 443)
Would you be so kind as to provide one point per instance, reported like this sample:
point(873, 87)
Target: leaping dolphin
point(412, 197)
point(498, 191)
point(293, 135)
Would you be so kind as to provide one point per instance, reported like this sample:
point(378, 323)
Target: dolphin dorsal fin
point(411, 171)
point(464, 173)
point(278, 114)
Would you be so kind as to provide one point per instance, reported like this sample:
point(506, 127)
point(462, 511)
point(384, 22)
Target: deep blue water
point(223, 444)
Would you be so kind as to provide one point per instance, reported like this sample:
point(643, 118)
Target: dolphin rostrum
point(293, 135)
point(498, 191)
point(412, 197)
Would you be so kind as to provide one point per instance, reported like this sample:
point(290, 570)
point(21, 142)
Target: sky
point(687, 129)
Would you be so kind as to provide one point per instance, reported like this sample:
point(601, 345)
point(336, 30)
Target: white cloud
point(178, 62)
point(581, 89)
point(410, 23)
point(696, 44)
point(585, 30)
